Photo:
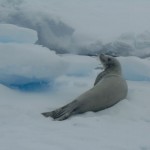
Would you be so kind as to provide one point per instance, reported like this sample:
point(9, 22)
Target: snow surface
point(126, 126)
point(58, 79)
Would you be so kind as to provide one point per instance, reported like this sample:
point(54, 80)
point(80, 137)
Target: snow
point(13, 34)
point(31, 67)
point(21, 64)
point(106, 19)
point(83, 27)
point(135, 69)
point(35, 79)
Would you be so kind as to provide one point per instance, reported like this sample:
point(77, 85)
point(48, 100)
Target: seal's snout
point(102, 57)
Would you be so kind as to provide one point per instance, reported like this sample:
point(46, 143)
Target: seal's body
point(109, 88)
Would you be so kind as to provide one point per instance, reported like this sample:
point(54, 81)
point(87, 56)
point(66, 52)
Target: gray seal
point(109, 88)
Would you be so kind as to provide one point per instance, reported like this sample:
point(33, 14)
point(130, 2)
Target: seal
point(109, 88)
point(110, 65)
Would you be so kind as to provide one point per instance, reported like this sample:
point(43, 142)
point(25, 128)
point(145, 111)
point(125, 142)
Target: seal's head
point(110, 63)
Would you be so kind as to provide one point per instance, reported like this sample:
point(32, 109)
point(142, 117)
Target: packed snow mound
point(25, 65)
point(32, 67)
point(13, 34)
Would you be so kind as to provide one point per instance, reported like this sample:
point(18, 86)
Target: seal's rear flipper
point(63, 112)
point(46, 114)
point(59, 114)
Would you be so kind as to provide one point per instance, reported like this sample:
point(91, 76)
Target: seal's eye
point(109, 59)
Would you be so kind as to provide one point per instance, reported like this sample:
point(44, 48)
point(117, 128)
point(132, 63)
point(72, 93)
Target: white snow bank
point(13, 34)
point(21, 64)
point(29, 67)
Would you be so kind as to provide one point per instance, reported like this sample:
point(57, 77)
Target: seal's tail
point(63, 112)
